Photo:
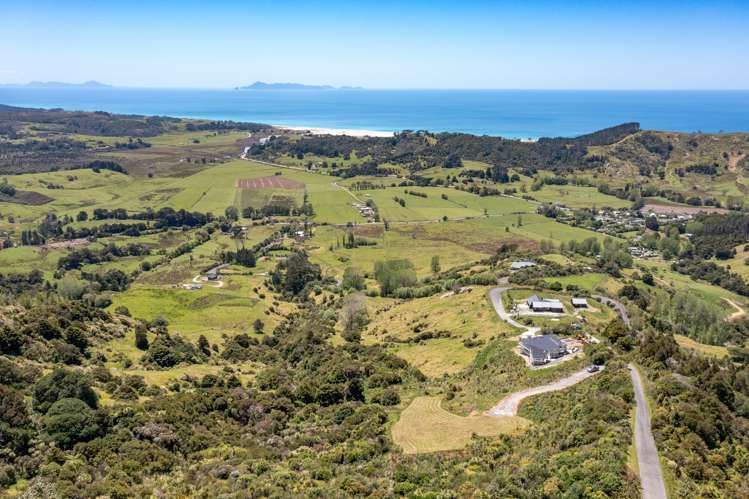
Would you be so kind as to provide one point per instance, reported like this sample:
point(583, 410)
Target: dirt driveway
point(509, 405)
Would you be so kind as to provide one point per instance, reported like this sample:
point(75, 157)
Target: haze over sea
point(507, 113)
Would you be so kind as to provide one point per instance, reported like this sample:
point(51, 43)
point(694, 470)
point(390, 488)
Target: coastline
point(351, 132)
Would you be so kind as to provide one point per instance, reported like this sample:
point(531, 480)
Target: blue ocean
point(507, 113)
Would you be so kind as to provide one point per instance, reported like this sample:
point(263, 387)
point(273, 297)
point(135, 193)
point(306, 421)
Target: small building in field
point(539, 304)
point(579, 303)
point(522, 264)
point(543, 349)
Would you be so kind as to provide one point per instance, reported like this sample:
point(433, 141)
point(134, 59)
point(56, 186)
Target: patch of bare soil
point(733, 161)
point(73, 243)
point(368, 230)
point(738, 315)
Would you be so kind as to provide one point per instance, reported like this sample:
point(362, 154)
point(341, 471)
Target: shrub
point(60, 384)
point(69, 421)
point(141, 338)
point(11, 341)
point(388, 396)
point(168, 351)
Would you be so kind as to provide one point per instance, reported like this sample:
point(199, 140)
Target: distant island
point(59, 84)
point(261, 85)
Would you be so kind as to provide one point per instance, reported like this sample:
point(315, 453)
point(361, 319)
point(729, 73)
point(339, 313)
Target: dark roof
point(547, 342)
point(537, 353)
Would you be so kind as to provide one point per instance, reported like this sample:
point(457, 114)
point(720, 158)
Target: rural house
point(539, 304)
point(543, 349)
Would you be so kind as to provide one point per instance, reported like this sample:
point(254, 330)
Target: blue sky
point(412, 44)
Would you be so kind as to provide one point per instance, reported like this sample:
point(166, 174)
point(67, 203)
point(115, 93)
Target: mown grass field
point(711, 350)
point(424, 426)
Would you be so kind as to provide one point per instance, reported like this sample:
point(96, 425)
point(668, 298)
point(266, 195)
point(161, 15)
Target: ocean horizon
point(520, 114)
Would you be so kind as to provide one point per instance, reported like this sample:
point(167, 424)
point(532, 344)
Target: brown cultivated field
point(273, 182)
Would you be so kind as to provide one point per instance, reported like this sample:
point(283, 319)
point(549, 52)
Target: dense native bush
point(420, 150)
point(69, 421)
point(62, 384)
point(168, 350)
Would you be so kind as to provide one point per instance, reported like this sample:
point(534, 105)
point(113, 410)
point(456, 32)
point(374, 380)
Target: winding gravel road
point(618, 306)
point(496, 296)
point(509, 405)
point(651, 476)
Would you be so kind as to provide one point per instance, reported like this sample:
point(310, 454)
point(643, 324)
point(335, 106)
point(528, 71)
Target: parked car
point(592, 369)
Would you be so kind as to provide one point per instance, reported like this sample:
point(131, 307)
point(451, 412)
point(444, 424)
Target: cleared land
point(424, 426)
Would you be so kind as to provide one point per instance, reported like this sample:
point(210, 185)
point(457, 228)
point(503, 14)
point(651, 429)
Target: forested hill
point(603, 137)
point(417, 150)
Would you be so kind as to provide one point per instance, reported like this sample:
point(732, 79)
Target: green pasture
point(391, 245)
point(665, 277)
point(588, 281)
point(458, 204)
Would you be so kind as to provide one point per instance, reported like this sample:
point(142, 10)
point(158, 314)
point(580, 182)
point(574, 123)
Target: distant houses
point(522, 264)
point(543, 349)
point(538, 304)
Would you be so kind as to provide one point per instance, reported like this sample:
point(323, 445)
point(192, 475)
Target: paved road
point(496, 296)
point(509, 405)
point(616, 305)
point(651, 477)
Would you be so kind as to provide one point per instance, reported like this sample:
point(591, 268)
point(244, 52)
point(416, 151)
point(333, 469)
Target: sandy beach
point(337, 131)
